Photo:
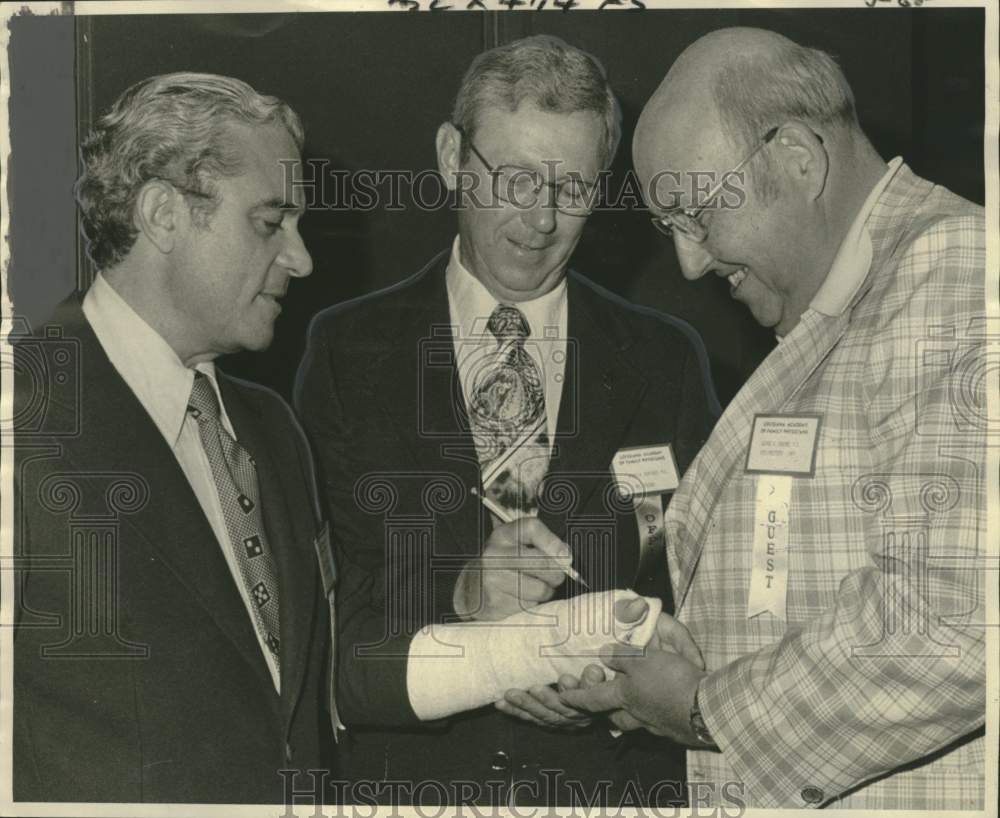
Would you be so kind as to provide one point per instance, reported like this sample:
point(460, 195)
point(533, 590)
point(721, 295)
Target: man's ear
point(157, 213)
point(803, 158)
point(449, 149)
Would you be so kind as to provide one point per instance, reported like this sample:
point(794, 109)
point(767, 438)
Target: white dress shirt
point(854, 256)
point(152, 370)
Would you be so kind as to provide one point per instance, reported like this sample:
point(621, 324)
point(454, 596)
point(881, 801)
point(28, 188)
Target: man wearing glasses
point(462, 415)
point(826, 544)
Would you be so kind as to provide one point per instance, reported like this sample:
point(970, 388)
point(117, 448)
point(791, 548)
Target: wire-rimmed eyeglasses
point(521, 187)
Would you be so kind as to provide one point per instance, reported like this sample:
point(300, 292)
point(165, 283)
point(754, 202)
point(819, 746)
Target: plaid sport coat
point(871, 694)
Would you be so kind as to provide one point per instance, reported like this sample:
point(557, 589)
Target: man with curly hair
point(171, 634)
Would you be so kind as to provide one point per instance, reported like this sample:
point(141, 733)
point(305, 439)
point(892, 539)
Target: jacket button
point(501, 762)
point(812, 795)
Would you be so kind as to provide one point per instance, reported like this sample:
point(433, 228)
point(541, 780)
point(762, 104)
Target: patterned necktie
point(235, 476)
point(507, 413)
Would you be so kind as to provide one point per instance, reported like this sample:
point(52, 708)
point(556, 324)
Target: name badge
point(783, 444)
point(645, 470)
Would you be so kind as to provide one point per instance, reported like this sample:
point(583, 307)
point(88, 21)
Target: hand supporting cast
point(452, 668)
point(653, 688)
point(598, 691)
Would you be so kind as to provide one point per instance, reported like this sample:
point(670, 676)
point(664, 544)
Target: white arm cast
point(452, 668)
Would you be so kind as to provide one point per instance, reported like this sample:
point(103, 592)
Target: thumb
point(675, 635)
point(631, 611)
point(619, 657)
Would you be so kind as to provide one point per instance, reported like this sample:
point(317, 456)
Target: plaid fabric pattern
point(867, 695)
point(235, 476)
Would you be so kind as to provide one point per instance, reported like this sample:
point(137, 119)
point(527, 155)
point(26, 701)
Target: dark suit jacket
point(380, 398)
point(137, 674)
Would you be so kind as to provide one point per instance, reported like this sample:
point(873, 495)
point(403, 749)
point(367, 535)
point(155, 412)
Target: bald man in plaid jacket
point(828, 543)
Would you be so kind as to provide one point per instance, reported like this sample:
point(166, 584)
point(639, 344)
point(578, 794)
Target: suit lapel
point(290, 540)
point(414, 379)
point(601, 390)
point(171, 522)
point(770, 387)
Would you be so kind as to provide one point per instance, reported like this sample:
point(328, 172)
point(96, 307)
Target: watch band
point(698, 726)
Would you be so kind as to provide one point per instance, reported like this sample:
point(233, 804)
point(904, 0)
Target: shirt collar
point(146, 362)
point(854, 256)
point(472, 304)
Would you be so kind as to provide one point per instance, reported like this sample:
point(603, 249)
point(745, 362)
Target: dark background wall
point(372, 89)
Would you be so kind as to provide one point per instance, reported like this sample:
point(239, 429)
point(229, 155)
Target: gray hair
point(541, 70)
point(172, 127)
point(755, 93)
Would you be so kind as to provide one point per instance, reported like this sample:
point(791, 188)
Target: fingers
point(541, 705)
point(509, 709)
point(522, 576)
point(675, 634)
point(527, 587)
point(625, 721)
point(544, 570)
point(502, 583)
point(630, 611)
point(524, 532)
point(491, 595)
point(598, 699)
point(619, 657)
point(496, 607)
point(527, 546)
point(567, 682)
point(516, 585)
point(592, 676)
point(549, 698)
point(534, 532)
point(548, 556)
point(503, 537)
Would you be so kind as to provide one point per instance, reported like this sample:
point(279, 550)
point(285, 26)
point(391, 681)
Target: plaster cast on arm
point(453, 668)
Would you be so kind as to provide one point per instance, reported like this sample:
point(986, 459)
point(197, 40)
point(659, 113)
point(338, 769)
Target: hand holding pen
point(522, 565)
point(506, 517)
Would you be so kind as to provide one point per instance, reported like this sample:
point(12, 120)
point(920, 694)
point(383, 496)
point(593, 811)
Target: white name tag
point(783, 444)
point(645, 470)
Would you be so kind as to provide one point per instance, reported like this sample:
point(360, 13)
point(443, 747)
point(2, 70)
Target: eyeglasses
point(685, 219)
point(521, 186)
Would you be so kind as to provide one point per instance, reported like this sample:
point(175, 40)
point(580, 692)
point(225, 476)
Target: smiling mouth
point(526, 247)
point(736, 278)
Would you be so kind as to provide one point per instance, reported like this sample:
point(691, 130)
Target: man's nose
point(694, 259)
point(294, 256)
point(541, 216)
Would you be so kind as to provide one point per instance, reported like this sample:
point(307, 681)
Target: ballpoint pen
point(505, 517)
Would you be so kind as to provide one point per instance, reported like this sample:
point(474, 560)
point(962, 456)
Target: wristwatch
point(698, 726)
